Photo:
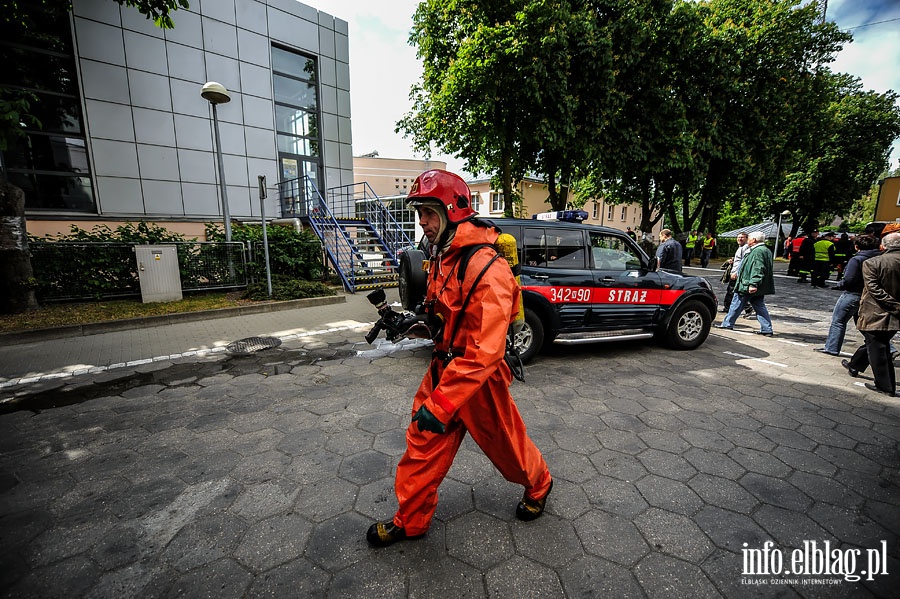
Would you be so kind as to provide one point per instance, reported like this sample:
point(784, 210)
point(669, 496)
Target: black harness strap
point(511, 356)
point(460, 274)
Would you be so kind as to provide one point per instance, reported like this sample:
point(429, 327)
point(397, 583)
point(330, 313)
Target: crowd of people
point(868, 276)
point(813, 257)
point(870, 285)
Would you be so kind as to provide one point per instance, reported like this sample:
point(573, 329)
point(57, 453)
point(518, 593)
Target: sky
point(383, 66)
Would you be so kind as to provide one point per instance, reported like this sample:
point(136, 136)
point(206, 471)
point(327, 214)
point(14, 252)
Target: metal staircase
point(361, 238)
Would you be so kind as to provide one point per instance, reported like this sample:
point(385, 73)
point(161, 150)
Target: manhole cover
point(252, 344)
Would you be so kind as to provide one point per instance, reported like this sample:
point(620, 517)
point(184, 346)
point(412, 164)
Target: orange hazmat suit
point(471, 391)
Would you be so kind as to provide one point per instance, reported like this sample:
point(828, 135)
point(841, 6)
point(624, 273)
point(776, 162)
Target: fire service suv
point(583, 284)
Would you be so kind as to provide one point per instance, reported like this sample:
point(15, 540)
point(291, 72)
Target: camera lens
point(376, 297)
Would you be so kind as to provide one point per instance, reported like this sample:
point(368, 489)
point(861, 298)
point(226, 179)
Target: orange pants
point(494, 422)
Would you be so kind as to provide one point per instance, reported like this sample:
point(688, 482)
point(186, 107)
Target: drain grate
point(252, 344)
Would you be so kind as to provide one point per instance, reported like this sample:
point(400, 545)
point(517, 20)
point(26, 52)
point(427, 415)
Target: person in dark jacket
point(843, 251)
point(879, 314)
point(806, 256)
point(668, 254)
point(847, 305)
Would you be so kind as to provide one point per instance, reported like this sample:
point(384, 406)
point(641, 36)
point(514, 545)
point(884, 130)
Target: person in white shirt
point(739, 254)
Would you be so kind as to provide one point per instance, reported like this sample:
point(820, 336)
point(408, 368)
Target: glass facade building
point(124, 134)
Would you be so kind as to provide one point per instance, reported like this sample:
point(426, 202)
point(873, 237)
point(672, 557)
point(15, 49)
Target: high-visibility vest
point(822, 250)
point(709, 243)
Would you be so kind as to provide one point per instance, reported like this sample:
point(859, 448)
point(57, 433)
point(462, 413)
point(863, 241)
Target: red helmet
point(445, 188)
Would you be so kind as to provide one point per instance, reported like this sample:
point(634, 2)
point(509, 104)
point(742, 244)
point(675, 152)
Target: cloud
point(383, 69)
point(874, 53)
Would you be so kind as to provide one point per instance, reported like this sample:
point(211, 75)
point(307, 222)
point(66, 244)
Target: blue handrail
point(359, 201)
point(353, 206)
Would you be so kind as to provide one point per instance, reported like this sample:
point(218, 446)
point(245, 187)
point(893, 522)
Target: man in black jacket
point(806, 257)
point(879, 313)
point(668, 254)
point(847, 305)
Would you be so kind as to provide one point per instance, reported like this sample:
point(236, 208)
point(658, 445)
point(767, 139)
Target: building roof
point(767, 227)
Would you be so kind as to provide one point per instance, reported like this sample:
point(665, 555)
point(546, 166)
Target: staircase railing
point(353, 215)
point(300, 198)
point(358, 201)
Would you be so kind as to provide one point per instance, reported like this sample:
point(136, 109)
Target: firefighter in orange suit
point(466, 387)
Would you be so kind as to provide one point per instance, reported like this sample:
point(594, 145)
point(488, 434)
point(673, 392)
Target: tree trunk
point(16, 276)
point(508, 191)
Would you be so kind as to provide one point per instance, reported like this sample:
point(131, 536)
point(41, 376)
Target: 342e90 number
point(570, 294)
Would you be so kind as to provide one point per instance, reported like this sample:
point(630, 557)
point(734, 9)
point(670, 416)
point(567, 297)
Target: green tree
point(773, 56)
point(516, 87)
point(846, 156)
point(646, 151)
point(471, 100)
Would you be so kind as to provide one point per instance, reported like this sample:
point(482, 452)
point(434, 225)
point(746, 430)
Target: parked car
point(583, 283)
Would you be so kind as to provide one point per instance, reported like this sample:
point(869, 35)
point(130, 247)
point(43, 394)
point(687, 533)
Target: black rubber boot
point(532, 509)
point(382, 534)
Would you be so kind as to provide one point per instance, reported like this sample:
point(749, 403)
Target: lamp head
point(215, 93)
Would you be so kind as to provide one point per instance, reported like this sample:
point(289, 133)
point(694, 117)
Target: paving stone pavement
point(220, 475)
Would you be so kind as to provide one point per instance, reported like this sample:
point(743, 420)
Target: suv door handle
point(540, 277)
point(609, 279)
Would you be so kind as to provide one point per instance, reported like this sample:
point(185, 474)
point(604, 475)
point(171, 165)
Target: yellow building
point(391, 178)
point(888, 207)
point(534, 193)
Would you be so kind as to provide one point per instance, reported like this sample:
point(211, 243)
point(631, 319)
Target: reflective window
point(296, 113)
point(609, 252)
point(293, 121)
point(554, 248)
point(50, 160)
point(294, 145)
point(53, 191)
point(294, 92)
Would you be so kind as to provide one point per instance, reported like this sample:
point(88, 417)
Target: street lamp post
point(778, 231)
point(215, 93)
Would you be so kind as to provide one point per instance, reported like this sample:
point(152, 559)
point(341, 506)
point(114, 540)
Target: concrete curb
point(110, 326)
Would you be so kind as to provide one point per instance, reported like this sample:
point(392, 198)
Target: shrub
point(287, 288)
point(293, 253)
point(94, 271)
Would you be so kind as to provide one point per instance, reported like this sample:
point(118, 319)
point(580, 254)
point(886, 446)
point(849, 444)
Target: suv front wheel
point(689, 326)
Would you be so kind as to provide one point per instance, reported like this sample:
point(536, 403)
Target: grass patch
point(57, 315)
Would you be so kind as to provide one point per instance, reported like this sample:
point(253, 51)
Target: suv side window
point(610, 252)
point(547, 247)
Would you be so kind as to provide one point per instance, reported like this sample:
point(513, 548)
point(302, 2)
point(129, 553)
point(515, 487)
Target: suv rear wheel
point(689, 326)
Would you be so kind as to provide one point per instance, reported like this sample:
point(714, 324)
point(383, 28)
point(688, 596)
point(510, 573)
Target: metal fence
point(67, 270)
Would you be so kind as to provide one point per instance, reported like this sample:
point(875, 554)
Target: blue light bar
point(568, 216)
